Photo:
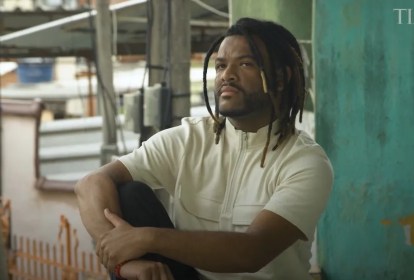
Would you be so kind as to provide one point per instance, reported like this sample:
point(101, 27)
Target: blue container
point(35, 70)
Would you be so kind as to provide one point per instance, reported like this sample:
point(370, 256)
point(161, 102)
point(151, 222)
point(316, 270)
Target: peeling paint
point(363, 109)
point(408, 225)
point(386, 222)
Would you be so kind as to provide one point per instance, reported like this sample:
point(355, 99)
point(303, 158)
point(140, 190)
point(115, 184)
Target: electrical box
point(132, 109)
point(148, 109)
point(157, 106)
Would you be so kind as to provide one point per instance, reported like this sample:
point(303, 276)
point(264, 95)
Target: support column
point(106, 93)
point(180, 45)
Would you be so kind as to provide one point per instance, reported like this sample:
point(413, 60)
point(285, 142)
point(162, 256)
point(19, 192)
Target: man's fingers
point(146, 270)
point(113, 218)
point(158, 271)
point(167, 275)
point(98, 251)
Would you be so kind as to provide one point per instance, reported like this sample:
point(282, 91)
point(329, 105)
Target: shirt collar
point(253, 138)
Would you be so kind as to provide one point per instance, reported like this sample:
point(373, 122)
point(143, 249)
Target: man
point(247, 187)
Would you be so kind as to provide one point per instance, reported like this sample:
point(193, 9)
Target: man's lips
point(228, 91)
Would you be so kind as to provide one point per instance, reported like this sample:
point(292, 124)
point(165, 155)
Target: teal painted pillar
point(364, 64)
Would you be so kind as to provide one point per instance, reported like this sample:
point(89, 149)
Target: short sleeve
point(157, 161)
point(303, 189)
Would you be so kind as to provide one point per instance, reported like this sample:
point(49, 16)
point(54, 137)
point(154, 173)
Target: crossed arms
point(117, 241)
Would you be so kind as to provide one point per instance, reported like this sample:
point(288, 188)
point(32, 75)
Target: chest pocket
point(199, 206)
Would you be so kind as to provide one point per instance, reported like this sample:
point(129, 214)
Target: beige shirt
point(222, 186)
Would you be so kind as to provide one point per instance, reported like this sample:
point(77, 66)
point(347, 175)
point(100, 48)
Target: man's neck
point(249, 124)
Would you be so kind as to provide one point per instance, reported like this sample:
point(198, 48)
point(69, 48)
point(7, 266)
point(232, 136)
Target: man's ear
point(280, 83)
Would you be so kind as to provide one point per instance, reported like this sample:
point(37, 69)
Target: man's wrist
point(148, 238)
point(117, 271)
point(153, 239)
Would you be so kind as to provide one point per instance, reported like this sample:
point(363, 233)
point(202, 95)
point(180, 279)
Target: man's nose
point(229, 74)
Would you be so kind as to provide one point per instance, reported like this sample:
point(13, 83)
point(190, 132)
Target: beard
point(249, 103)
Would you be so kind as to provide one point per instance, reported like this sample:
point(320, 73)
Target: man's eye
point(246, 64)
point(220, 66)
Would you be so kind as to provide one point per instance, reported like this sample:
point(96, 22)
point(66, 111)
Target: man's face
point(238, 84)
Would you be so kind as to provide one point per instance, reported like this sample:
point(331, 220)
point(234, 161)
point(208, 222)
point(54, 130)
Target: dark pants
point(141, 208)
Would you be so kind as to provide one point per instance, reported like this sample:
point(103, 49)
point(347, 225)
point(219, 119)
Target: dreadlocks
point(285, 57)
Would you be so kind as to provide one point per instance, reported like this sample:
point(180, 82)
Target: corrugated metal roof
point(71, 36)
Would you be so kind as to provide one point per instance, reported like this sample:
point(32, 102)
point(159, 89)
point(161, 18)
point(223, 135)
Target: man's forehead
point(239, 39)
point(240, 44)
point(235, 43)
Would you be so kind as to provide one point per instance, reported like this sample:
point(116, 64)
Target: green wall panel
point(364, 64)
point(296, 15)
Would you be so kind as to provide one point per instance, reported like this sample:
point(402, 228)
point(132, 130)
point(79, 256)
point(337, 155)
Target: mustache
point(230, 84)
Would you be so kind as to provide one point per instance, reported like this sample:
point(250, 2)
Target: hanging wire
point(150, 22)
point(114, 33)
point(167, 76)
point(211, 9)
point(166, 122)
point(79, 91)
point(1, 133)
point(105, 91)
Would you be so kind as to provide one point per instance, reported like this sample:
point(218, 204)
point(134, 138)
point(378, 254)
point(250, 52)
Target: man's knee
point(133, 192)
point(140, 206)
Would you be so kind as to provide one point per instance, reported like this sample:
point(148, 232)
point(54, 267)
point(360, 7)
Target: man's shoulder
point(301, 142)
point(197, 124)
point(301, 139)
point(190, 127)
point(192, 130)
point(304, 138)
point(196, 121)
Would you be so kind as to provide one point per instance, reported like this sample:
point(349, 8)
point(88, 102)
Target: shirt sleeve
point(303, 189)
point(156, 162)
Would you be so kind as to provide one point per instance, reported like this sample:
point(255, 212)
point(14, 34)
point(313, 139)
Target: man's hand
point(122, 243)
point(145, 270)
point(97, 191)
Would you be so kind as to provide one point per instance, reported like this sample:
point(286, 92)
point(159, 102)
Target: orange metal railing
point(29, 259)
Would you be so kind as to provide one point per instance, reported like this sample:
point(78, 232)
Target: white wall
point(35, 214)
point(10, 5)
point(29, 5)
